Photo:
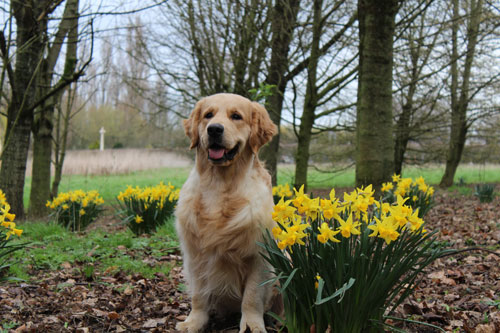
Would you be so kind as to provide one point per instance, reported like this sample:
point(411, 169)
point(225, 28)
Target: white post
point(102, 131)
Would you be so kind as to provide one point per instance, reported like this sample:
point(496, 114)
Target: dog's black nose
point(215, 130)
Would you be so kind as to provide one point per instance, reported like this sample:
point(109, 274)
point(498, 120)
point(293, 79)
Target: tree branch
point(304, 63)
point(65, 81)
point(6, 62)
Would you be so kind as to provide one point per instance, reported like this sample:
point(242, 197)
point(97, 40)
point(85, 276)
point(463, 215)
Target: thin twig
point(467, 250)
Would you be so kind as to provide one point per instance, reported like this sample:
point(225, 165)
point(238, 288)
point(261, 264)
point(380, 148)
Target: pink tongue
point(215, 153)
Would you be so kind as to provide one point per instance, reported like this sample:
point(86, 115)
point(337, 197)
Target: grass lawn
point(109, 186)
point(51, 245)
point(92, 253)
point(469, 174)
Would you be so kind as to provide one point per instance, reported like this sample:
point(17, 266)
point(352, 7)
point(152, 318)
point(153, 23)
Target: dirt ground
point(459, 293)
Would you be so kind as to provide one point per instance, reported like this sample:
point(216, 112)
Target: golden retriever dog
point(223, 209)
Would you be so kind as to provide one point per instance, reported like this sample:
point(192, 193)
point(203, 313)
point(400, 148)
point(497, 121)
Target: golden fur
point(223, 208)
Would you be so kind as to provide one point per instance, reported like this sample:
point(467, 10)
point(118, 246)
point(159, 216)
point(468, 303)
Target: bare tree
point(462, 89)
point(44, 114)
point(216, 46)
point(31, 24)
point(283, 24)
point(31, 89)
point(418, 69)
point(62, 120)
point(326, 78)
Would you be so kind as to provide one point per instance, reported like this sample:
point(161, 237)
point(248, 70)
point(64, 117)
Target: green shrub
point(94, 145)
point(485, 192)
point(262, 92)
point(344, 265)
point(145, 209)
point(75, 210)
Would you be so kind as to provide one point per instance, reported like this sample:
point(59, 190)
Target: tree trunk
point(375, 145)
point(14, 157)
point(458, 136)
point(419, 50)
point(402, 135)
point(30, 28)
point(311, 100)
point(42, 153)
point(303, 144)
point(44, 123)
point(459, 105)
point(283, 23)
point(61, 141)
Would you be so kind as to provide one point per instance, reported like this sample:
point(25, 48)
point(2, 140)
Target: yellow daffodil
point(282, 191)
point(331, 209)
point(327, 234)
point(276, 231)
point(414, 221)
point(348, 227)
point(384, 229)
point(283, 211)
point(387, 187)
point(350, 197)
point(310, 207)
point(299, 197)
point(419, 181)
point(430, 191)
point(293, 233)
point(18, 232)
point(316, 283)
point(138, 219)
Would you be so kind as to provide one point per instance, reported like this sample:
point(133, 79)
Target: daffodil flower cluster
point(419, 194)
point(7, 229)
point(144, 209)
point(303, 217)
point(7, 220)
point(76, 209)
point(160, 194)
point(280, 191)
point(363, 252)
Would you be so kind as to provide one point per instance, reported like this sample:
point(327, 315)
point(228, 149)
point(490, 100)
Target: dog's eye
point(209, 115)
point(236, 116)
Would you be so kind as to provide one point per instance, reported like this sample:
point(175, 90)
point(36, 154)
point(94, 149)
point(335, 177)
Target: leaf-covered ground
point(459, 293)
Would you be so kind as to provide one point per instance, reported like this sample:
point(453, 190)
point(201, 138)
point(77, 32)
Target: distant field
point(111, 171)
point(109, 186)
point(432, 174)
point(118, 161)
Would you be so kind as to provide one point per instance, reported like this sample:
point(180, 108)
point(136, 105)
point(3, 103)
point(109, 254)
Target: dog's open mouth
point(218, 153)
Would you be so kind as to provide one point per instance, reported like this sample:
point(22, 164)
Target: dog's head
point(226, 125)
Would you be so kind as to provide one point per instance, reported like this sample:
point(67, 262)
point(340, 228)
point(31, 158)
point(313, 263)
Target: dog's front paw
point(194, 323)
point(254, 322)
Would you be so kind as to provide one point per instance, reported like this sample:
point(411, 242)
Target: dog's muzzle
point(215, 131)
point(216, 150)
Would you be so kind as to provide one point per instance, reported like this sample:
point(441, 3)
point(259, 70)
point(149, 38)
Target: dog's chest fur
point(220, 227)
point(222, 219)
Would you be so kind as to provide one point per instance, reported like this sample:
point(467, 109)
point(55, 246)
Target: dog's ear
point(262, 129)
point(191, 125)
